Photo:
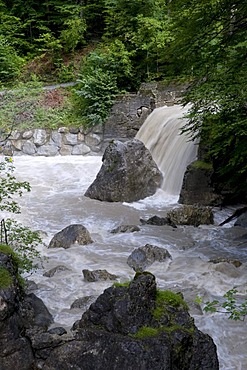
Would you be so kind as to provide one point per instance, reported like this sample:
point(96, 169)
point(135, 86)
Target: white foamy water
point(161, 134)
point(56, 201)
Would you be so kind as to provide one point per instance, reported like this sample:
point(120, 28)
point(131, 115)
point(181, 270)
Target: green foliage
point(24, 242)
point(142, 27)
point(167, 297)
point(74, 26)
point(210, 48)
point(5, 278)
point(10, 187)
point(10, 62)
point(234, 307)
point(21, 239)
point(97, 91)
point(125, 284)
point(98, 87)
point(7, 249)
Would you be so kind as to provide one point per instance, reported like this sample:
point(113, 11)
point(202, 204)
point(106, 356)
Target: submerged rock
point(98, 275)
point(72, 234)
point(83, 302)
point(128, 173)
point(135, 326)
point(145, 256)
point(56, 270)
point(235, 263)
point(125, 229)
point(158, 221)
point(191, 215)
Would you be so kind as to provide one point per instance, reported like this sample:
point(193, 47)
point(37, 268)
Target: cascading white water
point(171, 150)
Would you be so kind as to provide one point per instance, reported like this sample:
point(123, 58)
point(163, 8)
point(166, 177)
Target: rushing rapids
point(57, 200)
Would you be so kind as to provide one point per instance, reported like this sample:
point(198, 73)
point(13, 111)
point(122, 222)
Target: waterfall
point(171, 150)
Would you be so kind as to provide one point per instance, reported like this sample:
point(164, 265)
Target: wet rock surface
point(128, 173)
point(72, 234)
point(98, 275)
point(194, 215)
point(145, 256)
point(129, 326)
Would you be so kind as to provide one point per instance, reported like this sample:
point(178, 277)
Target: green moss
point(6, 249)
point(167, 297)
point(125, 284)
point(5, 278)
point(171, 298)
point(146, 332)
point(170, 329)
point(202, 165)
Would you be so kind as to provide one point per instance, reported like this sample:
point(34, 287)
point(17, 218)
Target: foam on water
point(57, 200)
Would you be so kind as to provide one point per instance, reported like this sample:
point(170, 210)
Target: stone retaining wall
point(63, 141)
point(128, 114)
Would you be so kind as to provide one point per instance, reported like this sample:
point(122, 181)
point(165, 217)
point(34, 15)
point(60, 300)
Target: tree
point(10, 62)
point(210, 49)
point(22, 240)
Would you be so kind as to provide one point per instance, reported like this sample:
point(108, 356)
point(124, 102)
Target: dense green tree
point(104, 74)
point(142, 27)
point(66, 21)
point(10, 62)
point(210, 49)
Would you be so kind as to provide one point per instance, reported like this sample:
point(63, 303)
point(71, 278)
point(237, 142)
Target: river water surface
point(57, 200)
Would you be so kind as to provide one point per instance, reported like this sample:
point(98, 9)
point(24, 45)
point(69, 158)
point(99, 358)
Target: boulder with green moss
point(136, 326)
point(20, 314)
point(16, 351)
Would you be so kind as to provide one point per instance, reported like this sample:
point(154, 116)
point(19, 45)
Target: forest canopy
point(122, 43)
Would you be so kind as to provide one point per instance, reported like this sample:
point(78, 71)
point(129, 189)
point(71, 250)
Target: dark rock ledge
point(129, 326)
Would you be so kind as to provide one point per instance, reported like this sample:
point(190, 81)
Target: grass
point(30, 107)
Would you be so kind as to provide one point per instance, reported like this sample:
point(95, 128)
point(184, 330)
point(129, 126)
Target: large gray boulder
point(198, 187)
point(128, 173)
point(135, 326)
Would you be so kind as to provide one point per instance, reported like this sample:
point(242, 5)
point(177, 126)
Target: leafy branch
point(232, 306)
point(22, 240)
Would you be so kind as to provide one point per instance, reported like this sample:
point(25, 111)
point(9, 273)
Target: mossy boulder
point(136, 326)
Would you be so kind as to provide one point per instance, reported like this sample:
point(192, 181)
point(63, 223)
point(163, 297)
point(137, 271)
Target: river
point(57, 200)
